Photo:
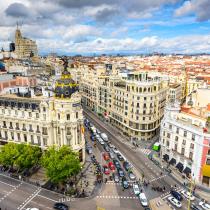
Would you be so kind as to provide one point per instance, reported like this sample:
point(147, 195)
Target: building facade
point(132, 102)
point(42, 121)
point(185, 141)
point(24, 47)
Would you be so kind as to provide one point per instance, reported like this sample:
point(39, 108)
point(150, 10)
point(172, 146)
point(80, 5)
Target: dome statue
point(65, 86)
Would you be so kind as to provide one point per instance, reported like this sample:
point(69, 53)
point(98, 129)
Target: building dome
point(65, 86)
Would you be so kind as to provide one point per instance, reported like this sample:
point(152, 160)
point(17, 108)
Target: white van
point(104, 137)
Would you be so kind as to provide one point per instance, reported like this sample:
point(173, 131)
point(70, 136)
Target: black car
point(176, 195)
point(121, 173)
point(125, 183)
point(60, 206)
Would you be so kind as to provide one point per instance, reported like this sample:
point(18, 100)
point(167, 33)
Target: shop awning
point(180, 167)
point(172, 161)
point(166, 157)
point(187, 171)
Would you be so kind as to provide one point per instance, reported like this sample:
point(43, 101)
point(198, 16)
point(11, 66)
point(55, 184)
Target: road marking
point(11, 191)
point(31, 197)
point(115, 197)
point(155, 179)
point(47, 198)
point(7, 184)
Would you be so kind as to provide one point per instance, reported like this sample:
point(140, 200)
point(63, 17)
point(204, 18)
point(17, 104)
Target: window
point(4, 124)
point(18, 136)
point(145, 98)
point(177, 130)
point(191, 146)
point(193, 137)
point(176, 138)
point(170, 127)
point(168, 135)
point(10, 125)
point(37, 115)
point(185, 133)
point(190, 155)
point(44, 130)
point(44, 109)
point(30, 127)
point(183, 151)
point(76, 115)
point(68, 116)
point(137, 105)
point(175, 147)
point(32, 139)
point(184, 142)
point(25, 137)
point(29, 114)
point(59, 117)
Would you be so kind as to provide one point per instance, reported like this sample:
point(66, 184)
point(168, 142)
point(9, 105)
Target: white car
point(187, 195)
point(101, 141)
point(111, 154)
point(115, 150)
point(204, 205)
point(174, 201)
point(32, 209)
point(136, 189)
point(143, 199)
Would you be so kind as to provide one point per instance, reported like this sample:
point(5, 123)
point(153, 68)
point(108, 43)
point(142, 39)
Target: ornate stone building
point(44, 121)
point(24, 47)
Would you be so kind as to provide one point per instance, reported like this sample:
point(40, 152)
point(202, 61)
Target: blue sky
point(96, 26)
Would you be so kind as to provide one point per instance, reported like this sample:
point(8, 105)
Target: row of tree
point(60, 162)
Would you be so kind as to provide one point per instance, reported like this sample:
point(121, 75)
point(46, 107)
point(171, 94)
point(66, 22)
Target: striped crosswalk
point(115, 197)
point(145, 151)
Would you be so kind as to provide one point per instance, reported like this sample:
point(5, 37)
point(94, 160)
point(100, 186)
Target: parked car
point(89, 149)
point(143, 200)
point(101, 141)
point(104, 137)
point(116, 163)
point(174, 201)
point(106, 170)
point(204, 205)
point(187, 195)
point(136, 189)
point(131, 176)
point(115, 150)
point(110, 145)
point(106, 148)
point(32, 209)
point(115, 178)
point(106, 156)
point(111, 154)
point(111, 166)
point(126, 165)
point(121, 173)
point(60, 206)
point(119, 156)
point(125, 183)
point(176, 195)
point(195, 207)
point(98, 132)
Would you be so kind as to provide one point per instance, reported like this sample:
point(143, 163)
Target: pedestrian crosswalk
point(145, 151)
point(115, 197)
point(114, 183)
point(157, 178)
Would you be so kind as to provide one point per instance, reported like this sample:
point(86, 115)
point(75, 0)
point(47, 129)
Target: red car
point(106, 170)
point(106, 156)
point(111, 166)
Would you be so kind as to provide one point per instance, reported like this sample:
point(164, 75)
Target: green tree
point(21, 156)
point(60, 163)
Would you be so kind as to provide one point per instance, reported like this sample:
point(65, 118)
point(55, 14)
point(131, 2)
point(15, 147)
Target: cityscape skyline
point(88, 27)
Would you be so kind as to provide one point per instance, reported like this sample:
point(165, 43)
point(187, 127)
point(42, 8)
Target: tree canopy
point(21, 156)
point(60, 163)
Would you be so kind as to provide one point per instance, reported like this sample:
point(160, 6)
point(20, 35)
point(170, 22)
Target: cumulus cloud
point(17, 10)
point(200, 8)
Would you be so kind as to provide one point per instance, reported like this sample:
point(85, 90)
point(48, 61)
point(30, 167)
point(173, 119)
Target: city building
point(29, 116)
point(175, 92)
point(185, 141)
point(132, 101)
point(24, 47)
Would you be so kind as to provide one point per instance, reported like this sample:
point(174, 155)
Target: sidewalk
point(179, 178)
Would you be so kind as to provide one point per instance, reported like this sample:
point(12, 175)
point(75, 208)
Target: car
point(92, 137)
point(174, 202)
point(143, 199)
point(111, 154)
point(32, 209)
point(97, 137)
point(115, 150)
point(89, 149)
point(106, 148)
point(60, 206)
point(106, 156)
point(106, 170)
point(125, 183)
point(126, 166)
point(136, 189)
point(131, 176)
point(117, 164)
point(110, 145)
point(147, 208)
point(104, 137)
point(121, 173)
point(187, 195)
point(116, 178)
point(176, 195)
point(119, 156)
point(195, 207)
point(101, 141)
point(98, 131)
point(204, 205)
point(111, 166)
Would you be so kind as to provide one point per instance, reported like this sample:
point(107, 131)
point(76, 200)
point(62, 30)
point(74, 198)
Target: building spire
point(17, 25)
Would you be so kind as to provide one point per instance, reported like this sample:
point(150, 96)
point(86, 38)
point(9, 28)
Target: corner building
point(44, 121)
point(133, 102)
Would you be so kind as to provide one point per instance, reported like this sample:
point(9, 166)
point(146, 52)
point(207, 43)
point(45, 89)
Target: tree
point(60, 163)
point(20, 155)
